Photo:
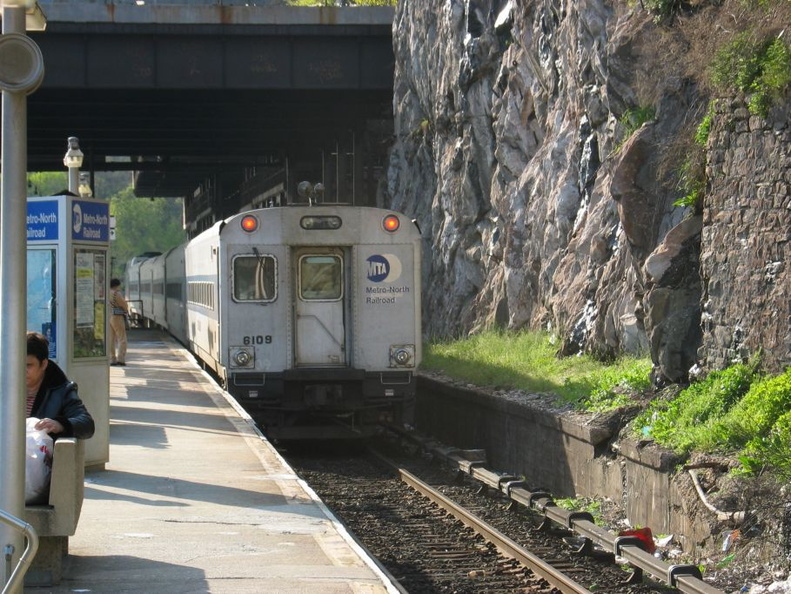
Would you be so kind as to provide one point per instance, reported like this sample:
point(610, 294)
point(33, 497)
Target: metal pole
point(74, 180)
point(13, 300)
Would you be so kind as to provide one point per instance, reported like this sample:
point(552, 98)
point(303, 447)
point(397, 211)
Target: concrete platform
point(194, 499)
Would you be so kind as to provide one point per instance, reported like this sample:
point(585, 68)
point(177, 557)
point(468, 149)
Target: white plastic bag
point(38, 463)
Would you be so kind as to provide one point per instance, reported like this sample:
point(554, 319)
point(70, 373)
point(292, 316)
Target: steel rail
point(505, 545)
point(686, 578)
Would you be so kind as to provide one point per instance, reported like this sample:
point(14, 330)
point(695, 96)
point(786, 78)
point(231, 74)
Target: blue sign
point(90, 221)
point(42, 220)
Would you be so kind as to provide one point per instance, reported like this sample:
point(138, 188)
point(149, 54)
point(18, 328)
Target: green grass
point(735, 411)
point(528, 361)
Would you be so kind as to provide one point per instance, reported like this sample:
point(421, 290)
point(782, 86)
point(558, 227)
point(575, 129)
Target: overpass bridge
point(224, 103)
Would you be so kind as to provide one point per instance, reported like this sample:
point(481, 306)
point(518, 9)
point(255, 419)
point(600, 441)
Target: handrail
point(27, 555)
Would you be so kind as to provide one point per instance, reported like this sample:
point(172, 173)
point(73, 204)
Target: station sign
point(90, 221)
point(42, 220)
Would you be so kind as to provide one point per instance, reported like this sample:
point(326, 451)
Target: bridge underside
point(174, 139)
point(218, 115)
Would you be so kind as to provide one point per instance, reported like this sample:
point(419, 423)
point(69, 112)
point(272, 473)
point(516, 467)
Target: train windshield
point(254, 278)
point(320, 278)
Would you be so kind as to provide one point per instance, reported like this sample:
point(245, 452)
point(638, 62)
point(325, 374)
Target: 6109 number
point(257, 339)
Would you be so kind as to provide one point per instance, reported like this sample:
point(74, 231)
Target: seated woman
point(51, 397)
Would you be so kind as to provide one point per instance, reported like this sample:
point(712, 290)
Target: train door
point(319, 310)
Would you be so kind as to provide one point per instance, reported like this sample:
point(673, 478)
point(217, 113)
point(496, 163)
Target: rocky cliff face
point(541, 211)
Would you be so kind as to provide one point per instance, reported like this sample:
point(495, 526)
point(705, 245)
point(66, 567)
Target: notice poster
point(83, 290)
point(90, 309)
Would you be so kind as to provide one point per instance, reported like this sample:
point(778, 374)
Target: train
point(308, 315)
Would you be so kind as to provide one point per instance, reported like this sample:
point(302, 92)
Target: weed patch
point(732, 411)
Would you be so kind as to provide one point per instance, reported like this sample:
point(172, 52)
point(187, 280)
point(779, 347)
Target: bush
point(688, 421)
point(692, 175)
point(704, 129)
point(753, 418)
point(774, 450)
point(775, 77)
point(760, 68)
point(636, 117)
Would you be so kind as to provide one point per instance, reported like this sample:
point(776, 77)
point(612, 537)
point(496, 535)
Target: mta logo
point(378, 268)
point(383, 268)
point(76, 218)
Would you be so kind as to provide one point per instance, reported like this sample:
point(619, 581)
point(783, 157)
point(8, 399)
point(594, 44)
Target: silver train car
point(309, 316)
point(138, 290)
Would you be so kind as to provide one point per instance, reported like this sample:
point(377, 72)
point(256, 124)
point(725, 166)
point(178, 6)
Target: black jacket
point(57, 399)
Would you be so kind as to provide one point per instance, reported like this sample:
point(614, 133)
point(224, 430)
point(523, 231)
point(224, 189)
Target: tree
point(111, 183)
point(47, 183)
point(143, 225)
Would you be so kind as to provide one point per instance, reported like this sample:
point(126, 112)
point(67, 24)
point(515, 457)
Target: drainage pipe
point(736, 517)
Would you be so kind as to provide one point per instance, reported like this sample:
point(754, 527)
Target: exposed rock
point(672, 300)
point(538, 212)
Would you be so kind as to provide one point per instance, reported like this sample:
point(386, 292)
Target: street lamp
point(73, 161)
point(85, 185)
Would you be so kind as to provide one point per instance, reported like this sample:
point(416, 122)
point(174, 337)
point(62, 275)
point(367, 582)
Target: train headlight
point(241, 357)
point(318, 222)
point(249, 223)
point(402, 355)
point(391, 223)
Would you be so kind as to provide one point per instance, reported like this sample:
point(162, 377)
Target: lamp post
point(21, 72)
point(85, 186)
point(73, 161)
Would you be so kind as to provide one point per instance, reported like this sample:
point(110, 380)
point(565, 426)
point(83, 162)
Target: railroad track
point(411, 520)
point(551, 574)
point(423, 548)
point(631, 550)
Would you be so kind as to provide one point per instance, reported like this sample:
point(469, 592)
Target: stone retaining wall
point(746, 239)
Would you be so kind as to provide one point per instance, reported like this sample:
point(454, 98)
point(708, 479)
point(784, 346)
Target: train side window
point(320, 278)
point(254, 278)
point(201, 293)
point(173, 291)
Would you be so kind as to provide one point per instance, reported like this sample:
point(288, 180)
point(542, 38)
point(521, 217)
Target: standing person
point(51, 397)
point(120, 309)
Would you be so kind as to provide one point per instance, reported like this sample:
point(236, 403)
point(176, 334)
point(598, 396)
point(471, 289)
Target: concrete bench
point(55, 522)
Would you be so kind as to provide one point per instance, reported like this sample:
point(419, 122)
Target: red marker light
point(249, 223)
point(391, 223)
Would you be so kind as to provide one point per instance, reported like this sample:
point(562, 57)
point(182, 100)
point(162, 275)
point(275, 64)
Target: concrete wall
point(567, 454)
